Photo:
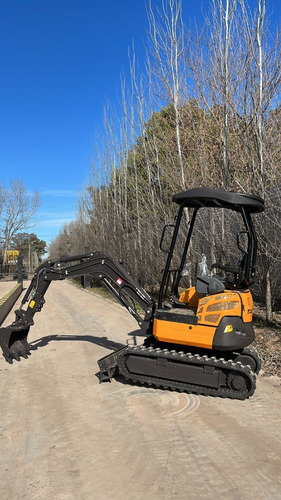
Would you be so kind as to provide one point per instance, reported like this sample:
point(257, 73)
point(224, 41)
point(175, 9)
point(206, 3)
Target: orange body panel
point(181, 333)
point(213, 308)
point(210, 311)
point(247, 303)
point(190, 297)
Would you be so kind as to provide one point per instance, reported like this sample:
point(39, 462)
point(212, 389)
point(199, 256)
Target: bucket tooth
point(8, 357)
point(15, 354)
point(18, 349)
point(24, 353)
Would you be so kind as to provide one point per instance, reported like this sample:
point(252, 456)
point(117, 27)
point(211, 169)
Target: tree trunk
point(268, 298)
point(259, 33)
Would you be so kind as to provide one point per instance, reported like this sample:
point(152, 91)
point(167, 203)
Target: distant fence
point(7, 302)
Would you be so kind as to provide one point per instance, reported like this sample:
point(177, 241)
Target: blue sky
point(59, 61)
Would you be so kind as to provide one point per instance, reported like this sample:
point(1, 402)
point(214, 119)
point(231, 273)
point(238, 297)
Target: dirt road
point(64, 436)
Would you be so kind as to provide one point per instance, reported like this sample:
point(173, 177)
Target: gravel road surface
point(64, 436)
point(6, 287)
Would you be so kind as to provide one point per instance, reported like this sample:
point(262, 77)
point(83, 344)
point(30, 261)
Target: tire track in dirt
point(63, 434)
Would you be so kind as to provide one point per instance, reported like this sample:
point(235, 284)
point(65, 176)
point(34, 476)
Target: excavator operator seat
point(206, 285)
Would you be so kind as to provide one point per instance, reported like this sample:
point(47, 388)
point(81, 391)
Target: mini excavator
point(197, 335)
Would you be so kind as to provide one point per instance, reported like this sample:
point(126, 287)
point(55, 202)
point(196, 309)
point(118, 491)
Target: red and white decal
point(119, 281)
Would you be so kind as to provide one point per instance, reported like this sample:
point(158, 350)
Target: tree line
point(206, 113)
point(17, 207)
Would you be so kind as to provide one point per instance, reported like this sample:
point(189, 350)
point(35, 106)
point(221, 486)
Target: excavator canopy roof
point(207, 197)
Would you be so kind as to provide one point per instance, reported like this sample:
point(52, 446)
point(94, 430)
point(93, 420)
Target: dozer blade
point(13, 342)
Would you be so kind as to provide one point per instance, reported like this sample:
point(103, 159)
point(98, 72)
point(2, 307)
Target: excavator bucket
point(13, 341)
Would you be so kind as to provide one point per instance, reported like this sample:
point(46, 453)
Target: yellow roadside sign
point(12, 256)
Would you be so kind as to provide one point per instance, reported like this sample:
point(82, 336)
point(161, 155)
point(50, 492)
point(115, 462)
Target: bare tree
point(2, 198)
point(226, 13)
point(265, 95)
point(216, 57)
point(260, 65)
point(18, 208)
point(165, 61)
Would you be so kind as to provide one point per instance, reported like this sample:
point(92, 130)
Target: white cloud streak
point(60, 193)
point(55, 222)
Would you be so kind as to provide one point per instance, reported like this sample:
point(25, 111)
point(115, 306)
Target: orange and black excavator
point(197, 337)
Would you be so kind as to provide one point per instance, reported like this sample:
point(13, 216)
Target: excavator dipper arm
point(13, 338)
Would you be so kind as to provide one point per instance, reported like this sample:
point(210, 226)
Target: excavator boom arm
point(13, 339)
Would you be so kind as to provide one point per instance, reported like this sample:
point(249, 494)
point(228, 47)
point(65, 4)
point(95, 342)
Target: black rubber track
point(250, 356)
point(239, 381)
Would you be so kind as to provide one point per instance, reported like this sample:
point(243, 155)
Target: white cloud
point(56, 214)
point(55, 219)
point(59, 222)
point(60, 193)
